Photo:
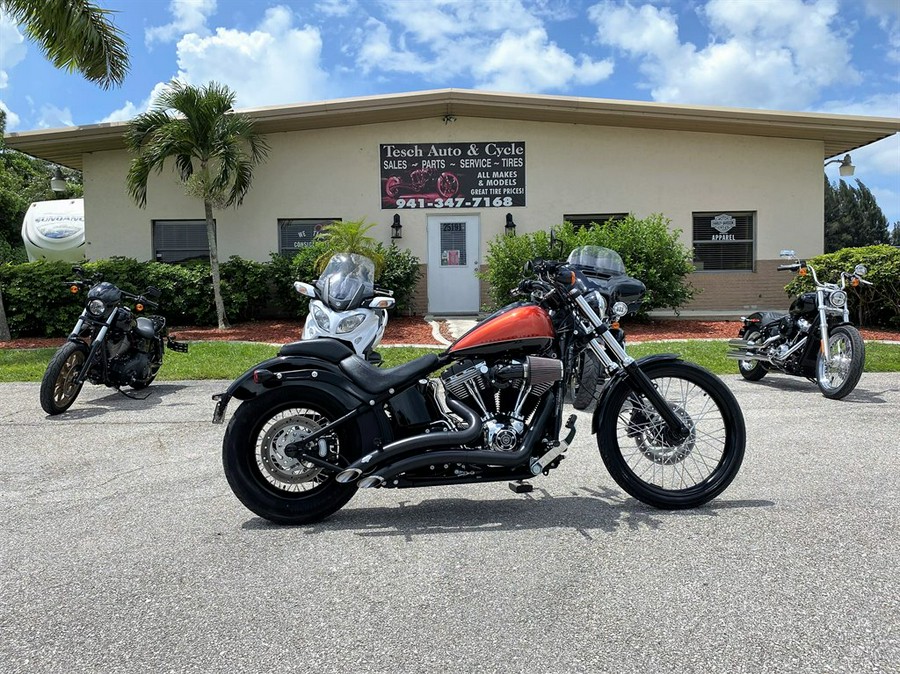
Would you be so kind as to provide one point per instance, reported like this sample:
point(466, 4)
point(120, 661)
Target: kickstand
point(132, 396)
point(521, 487)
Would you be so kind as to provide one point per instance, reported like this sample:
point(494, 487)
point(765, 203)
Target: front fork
point(96, 343)
point(640, 382)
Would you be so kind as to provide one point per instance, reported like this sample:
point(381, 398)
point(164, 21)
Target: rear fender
point(297, 371)
point(620, 376)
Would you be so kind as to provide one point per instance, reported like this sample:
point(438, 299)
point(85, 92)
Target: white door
point(453, 257)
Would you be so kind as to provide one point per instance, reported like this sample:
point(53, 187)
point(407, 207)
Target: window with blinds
point(453, 244)
point(297, 233)
point(179, 240)
point(588, 220)
point(724, 241)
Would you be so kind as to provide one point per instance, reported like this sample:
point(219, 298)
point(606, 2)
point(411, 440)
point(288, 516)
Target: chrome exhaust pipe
point(348, 475)
point(370, 481)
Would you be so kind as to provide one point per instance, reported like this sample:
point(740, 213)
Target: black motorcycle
point(318, 422)
point(109, 344)
point(815, 339)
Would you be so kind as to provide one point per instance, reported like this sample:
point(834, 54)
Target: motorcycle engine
point(505, 394)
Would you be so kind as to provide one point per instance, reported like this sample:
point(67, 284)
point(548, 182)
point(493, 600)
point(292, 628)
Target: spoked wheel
point(447, 185)
point(59, 387)
point(259, 457)
point(840, 374)
point(752, 370)
point(392, 187)
point(648, 462)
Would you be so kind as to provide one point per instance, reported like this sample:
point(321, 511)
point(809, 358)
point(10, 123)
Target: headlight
point(597, 302)
point(620, 309)
point(96, 307)
point(321, 318)
point(350, 323)
point(838, 299)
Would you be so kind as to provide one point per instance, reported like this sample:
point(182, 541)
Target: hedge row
point(650, 250)
point(38, 304)
point(878, 304)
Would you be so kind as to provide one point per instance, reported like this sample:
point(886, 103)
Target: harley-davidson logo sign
point(723, 223)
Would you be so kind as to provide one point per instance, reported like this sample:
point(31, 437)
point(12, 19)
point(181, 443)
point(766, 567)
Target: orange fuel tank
point(517, 327)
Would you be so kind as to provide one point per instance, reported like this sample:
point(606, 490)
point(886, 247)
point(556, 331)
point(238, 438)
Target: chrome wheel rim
point(65, 389)
point(658, 461)
point(834, 372)
point(288, 427)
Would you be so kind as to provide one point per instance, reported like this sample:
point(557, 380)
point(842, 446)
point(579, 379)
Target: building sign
point(453, 175)
point(723, 224)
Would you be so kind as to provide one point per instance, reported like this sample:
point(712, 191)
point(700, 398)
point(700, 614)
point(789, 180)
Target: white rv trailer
point(54, 230)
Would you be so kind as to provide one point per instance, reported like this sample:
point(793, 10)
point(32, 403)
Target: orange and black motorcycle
point(318, 422)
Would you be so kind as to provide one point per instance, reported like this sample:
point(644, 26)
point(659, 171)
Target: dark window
point(723, 241)
point(178, 240)
point(587, 220)
point(297, 233)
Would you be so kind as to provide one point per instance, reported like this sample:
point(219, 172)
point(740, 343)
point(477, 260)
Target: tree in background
point(852, 217)
point(75, 35)
point(895, 234)
point(214, 150)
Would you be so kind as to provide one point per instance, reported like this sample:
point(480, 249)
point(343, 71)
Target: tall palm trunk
point(214, 266)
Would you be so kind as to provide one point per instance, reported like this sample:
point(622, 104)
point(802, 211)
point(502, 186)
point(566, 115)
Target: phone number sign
point(453, 175)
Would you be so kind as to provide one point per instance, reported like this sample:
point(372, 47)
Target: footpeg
point(539, 464)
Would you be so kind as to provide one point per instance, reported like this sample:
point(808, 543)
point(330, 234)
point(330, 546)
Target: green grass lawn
point(227, 360)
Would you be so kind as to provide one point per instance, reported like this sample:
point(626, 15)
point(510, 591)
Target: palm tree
point(349, 236)
point(214, 149)
point(75, 35)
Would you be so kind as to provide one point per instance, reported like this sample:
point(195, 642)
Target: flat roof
point(838, 133)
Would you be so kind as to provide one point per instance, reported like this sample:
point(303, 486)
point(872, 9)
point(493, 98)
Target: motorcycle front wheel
point(58, 386)
point(839, 375)
point(265, 478)
point(652, 466)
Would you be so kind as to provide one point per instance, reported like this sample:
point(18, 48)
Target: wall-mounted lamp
point(847, 167)
point(510, 225)
point(396, 227)
point(58, 182)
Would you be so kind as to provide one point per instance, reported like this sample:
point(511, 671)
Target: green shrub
point(878, 304)
point(400, 274)
point(36, 301)
point(650, 250)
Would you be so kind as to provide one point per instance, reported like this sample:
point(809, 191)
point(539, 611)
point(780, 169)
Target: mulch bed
point(414, 330)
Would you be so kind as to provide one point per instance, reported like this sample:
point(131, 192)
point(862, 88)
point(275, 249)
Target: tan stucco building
point(458, 166)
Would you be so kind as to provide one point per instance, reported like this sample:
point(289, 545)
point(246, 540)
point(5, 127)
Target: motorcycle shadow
point(117, 402)
point(587, 510)
point(858, 395)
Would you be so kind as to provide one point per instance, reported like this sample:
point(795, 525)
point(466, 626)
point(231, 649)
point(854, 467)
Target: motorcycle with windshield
point(815, 339)
point(346, 305)
point(109, 344)
point(318, 422)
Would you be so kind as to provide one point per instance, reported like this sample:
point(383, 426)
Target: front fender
point(620, 375)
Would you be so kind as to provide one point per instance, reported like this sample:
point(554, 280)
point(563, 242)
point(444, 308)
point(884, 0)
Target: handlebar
point(789, 267)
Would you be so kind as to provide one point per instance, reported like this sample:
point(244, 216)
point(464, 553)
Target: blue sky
point(834, 56)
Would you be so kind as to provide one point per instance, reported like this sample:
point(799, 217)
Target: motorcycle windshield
point(597, 259)
point(348, 279)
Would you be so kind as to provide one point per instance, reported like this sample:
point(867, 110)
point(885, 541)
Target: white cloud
point(501, 45)
point(336, 8)
point(130, 110)
point(12, 119)
point(276, 63)
point(888, 14)
point(12, 48)
point(51, 117)
point(761, 54)
point(189, 16)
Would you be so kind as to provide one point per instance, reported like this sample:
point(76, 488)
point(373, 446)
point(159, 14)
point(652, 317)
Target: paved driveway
point(123, 550)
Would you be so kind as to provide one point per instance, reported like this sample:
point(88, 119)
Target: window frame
point(154, 233)
point(282, 222)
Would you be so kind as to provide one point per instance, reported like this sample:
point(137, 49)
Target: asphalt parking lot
point(123, 550)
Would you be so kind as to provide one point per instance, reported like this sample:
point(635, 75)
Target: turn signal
point(854, 282)
point(802, 271)
point(139, 307)
point(73, 289)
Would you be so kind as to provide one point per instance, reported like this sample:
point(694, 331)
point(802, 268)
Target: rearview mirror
point(861, 270)
point(152, 292)
point(788, 253)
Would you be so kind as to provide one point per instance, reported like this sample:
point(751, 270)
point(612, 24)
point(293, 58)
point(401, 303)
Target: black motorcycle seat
point(144, 328)
point(767, 317)
point(376, 380)
point(331, 350)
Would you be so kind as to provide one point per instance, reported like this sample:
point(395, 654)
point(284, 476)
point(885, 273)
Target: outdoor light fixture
point(847, 167)
point(58, 182)
point(510, 225)
point(396, 227)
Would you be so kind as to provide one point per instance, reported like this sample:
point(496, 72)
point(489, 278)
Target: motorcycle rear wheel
point(648, 464)
point(752, 370)
point(58, 387)
point(273, 485)
point(838, 377)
